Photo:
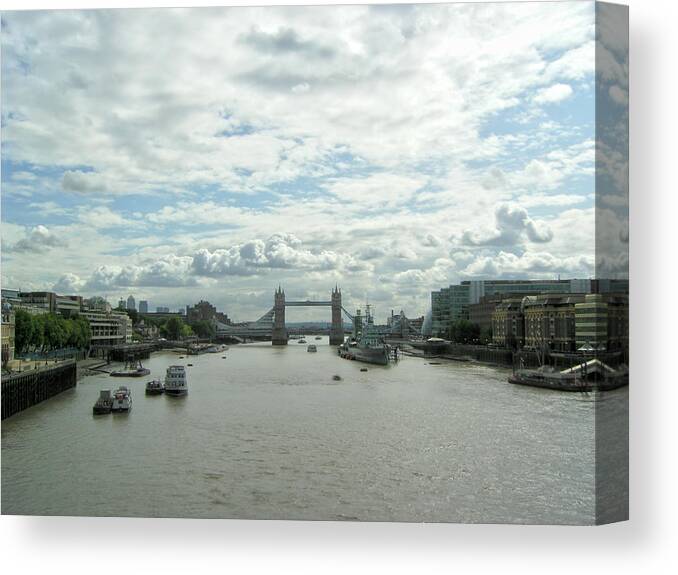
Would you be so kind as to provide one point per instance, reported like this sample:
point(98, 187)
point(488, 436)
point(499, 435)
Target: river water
point(266, 433)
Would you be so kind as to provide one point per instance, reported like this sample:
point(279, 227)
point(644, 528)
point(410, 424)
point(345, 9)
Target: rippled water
point(267, 433)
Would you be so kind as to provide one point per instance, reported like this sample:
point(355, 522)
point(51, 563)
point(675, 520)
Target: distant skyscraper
point(121, 304)
point(143, 306)
point(131, 304)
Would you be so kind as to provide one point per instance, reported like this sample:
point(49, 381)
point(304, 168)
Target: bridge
point(272, 326)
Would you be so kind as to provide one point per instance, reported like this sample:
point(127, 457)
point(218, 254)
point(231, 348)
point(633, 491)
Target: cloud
point(83, 183)
point(280, 251)
point(510, 225)
point(528, 265)
point(68, 284)
point(285, 40)
point(39, 239)
point(553, 94)
point(168, 271)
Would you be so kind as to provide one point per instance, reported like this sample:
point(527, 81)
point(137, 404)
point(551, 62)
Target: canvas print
point(364, 263)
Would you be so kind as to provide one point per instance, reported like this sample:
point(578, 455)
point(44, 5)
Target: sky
point(214, 153)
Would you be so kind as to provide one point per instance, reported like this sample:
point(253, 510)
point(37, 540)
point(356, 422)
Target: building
point(448, 305)
point(143, 306)
point(563, 322)
point(602, 322)
point(453, 303)
point(550, 321)
point(7, 334)
point(122, 304)
point(481, 313)
point(68, 305)
point(204, 310)
point(508, 325)
point(131, 304)
point(162, 309)
point(108, 328)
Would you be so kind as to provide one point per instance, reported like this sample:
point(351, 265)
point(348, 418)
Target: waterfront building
point(550, 321)
point(508, 325)
point(204, 310)
point(131, 303)
point(108, 328)
point(68, 305)
point(602, 322)
point(97, 303)
point(563, 322)
point(448, 305)
point(453, 303)
point(481, 313)
point(162, 309)
point(8, 332)
point(143, 306)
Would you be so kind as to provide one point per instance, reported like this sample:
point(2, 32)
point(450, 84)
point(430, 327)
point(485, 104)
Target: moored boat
point(175, 381)
point(588, 376)
point(366, 344)
point(312, 348)
point(104, 403)
point(122, 400)
point(131, 369)
point(155, 387)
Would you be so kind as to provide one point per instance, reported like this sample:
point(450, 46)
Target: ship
point(122, 400)
point(104, 403)
point(175, 380)
point(312, 348)
point(131, 369)
point(155, 387)
point(365, 343)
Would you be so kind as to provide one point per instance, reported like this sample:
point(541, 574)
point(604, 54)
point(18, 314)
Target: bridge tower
point(337, 329)
point(279, 329)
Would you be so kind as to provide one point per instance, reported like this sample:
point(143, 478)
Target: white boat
point(122, 400)
point(311, 348)
point(175, 380)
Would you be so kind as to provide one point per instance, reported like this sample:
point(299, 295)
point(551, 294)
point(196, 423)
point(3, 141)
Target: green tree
point(463, 331)
point(24, 326)
point(203, 328)
point(176, 328)
point(134, 316)
point(38, 334)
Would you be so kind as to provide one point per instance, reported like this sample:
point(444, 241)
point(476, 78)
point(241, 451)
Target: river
point(267, 433)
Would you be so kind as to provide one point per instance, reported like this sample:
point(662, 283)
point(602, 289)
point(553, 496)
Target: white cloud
point(38, 239)
point(512, 224)
point(553, 94)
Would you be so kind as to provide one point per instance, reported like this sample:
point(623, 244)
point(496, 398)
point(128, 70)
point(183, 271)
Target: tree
point(463, 331)
point(486, 335)
point(203, 328)
point(24, 328)
point(176, 328)
point(134, 316)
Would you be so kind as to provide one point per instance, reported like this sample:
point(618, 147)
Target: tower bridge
point(272, 323)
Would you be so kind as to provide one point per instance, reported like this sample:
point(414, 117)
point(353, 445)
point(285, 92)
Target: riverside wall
point(23, 390)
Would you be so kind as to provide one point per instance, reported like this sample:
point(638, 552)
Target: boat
point(175, 380)
point(302, 340)
point(122, 400)
point(318, 337)
point(587, 376)
point(131, 369)
point(312, 348)
point(104, 403)
point(336, 377)
point(154, 387)
point(366, 344)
